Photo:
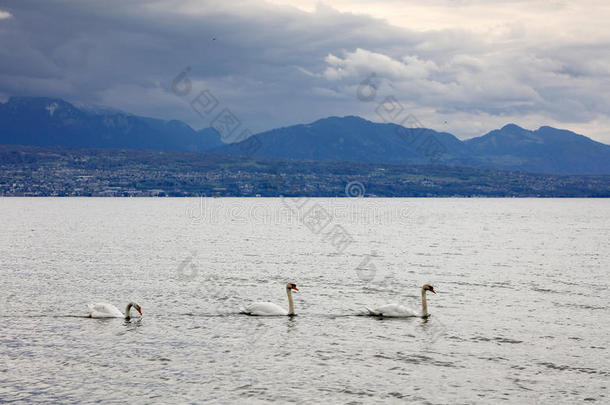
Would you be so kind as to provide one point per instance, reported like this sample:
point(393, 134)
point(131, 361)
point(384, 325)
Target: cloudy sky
point(462, 66)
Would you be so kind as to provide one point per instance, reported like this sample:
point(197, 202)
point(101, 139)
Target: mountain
point(350, 139)
point(53, 122)
point(546, 150)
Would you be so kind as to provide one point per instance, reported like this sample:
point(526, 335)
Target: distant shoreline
point(301, 196)
point(33, 171)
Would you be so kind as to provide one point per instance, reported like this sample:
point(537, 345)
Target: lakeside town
point(55, 171)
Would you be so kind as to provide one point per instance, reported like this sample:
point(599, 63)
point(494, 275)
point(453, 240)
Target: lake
point(520, 315)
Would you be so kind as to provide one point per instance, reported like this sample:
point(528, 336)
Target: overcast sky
point(462, 66)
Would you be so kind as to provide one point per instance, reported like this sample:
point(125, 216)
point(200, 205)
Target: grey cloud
point(276, 66)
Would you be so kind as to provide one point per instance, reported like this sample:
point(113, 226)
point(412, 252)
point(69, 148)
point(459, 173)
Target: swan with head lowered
point(271, 309)
point(400, 311)
point(104, 310)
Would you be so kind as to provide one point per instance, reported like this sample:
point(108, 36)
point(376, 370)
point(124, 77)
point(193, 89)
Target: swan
point(104, 310)
point(271, 309)
point(400, 311)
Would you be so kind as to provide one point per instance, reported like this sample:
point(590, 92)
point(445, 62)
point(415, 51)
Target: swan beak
point(294, 287)
point(431, 290)
point(139, 310)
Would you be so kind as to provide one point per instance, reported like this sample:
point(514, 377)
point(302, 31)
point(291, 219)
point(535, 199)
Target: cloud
point(5, 14)
point(490, 82)
point(277, 64)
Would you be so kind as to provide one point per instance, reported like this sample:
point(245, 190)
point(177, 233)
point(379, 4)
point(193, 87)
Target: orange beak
point(294, 287)
point(432, 290)
point(139, 310)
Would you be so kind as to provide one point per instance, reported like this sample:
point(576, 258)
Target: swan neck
point(128, 310)
point(290, 303)
point(424, 304)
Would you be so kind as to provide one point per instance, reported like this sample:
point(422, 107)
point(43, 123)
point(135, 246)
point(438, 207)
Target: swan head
point(428, 287)
point(291, 286)
point(137, 307)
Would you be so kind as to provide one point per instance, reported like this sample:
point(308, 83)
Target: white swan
point(400, 311)
point(104, 310)
point(271, 309)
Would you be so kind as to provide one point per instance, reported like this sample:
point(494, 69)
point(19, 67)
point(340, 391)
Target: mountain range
point(53, 122)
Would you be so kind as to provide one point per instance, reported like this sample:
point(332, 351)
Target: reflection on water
point(520, 315)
